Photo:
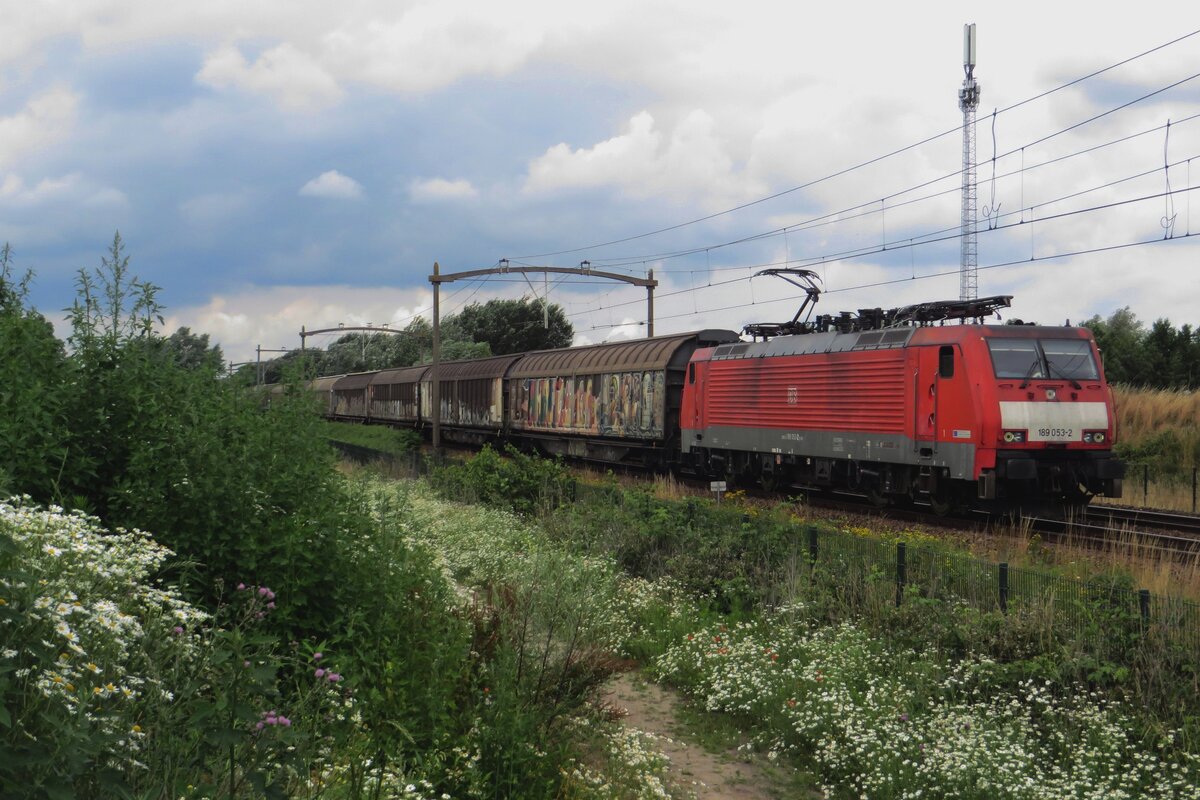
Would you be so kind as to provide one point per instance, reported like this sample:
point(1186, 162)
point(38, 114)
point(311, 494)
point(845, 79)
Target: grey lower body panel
point(958, 458)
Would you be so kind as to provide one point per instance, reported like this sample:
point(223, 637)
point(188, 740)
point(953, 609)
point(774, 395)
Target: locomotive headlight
point(1013, 437)
point(1094, 437)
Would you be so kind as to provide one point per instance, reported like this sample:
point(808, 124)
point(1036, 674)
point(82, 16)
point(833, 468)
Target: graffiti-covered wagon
point(611, 402)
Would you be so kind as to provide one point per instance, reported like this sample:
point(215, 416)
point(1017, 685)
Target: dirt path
point(728, 774)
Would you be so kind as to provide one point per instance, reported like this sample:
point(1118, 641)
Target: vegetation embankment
point(278, 633)
point(821, 666)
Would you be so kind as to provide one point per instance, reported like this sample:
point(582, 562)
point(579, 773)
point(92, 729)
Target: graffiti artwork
point(617, 404)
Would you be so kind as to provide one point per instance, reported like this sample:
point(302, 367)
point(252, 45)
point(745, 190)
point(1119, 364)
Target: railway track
point(1141, 530)
point(1144, 530)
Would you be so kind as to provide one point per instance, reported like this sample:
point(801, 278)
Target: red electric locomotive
point(899, 406)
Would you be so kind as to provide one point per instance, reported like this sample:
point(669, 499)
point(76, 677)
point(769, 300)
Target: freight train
point(897, 405)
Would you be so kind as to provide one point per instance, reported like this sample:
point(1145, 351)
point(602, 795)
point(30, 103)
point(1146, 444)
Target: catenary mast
point(968, 101)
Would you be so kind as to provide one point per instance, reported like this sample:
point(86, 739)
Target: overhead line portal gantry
point(504, 267)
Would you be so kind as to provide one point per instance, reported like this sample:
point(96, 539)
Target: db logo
point(793, 395)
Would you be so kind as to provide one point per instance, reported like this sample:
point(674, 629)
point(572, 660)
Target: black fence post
point(812, 545)
point(1004, 587)
point(1144, 607)
point(901, 573)
point(1145, 484)
point(1194, 490)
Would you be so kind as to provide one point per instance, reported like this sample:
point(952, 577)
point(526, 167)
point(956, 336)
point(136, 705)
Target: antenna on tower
point(968, 101)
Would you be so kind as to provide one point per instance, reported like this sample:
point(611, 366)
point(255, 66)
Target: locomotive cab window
point(1040, 359)
point(946, 361)
point(1016, 358)
point(1070, 359)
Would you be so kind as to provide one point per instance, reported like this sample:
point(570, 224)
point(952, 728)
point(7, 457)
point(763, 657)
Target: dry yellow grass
point(1161, 428)
point(1143, 414)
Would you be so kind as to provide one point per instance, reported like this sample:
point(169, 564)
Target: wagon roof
point(494, 367)
point(325, 383)
point(350, 382)
point(636, 355)
point(400, 375)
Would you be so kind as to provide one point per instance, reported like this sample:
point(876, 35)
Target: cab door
point(925, 407)
point(695, 389)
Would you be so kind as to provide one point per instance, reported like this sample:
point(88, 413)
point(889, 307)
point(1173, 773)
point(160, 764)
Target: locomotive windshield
point(1038, 359)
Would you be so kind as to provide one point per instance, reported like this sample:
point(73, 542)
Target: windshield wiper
point(1033, 367)
point(1062, 374)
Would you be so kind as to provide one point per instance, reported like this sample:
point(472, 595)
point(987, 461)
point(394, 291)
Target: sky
point(286, 163)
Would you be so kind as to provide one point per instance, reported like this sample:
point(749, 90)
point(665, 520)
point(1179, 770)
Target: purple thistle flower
point(317, 656)
point(270, 595)
point(262, 591)
point(904, 717)
point(270, 605)
point(285, 722)
point(178, 630)
point(319, 673)
point(334, 677)
point(241, 587)
point(258, 726)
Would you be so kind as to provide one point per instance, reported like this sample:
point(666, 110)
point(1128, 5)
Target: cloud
point(437, 189)
point(68, 189)
point(45, 120)
point(333, 185)
point(691, 163)
point(272, 317)
point(292, 76)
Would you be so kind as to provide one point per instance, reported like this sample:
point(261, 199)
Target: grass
point(1158, 435)
point(386, 439)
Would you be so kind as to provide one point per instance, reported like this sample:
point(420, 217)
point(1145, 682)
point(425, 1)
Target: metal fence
point(1104, 616)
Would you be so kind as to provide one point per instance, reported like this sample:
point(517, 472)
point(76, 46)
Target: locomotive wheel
point(877, 498)
point(942, 507)
point(945, 502)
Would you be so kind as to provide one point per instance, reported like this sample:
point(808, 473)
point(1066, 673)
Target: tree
point(1120, 341)
point(192, 351)
point(514, 326)
point(33, 373)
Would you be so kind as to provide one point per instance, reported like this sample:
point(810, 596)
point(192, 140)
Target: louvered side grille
point(860, 393)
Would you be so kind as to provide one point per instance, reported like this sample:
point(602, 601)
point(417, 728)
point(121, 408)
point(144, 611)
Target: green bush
point(517, 481)
point(34, 373)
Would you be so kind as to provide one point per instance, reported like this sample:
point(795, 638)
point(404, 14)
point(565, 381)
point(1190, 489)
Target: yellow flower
point(3, 602)
point(137, 728)
point(70, 687)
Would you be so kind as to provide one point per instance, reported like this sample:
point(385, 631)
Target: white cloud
point(272, 317)
point(69, 189)
point(292, 76)
point(436, 189)
point(333, 185)
point(45, 120)
point(691, 163)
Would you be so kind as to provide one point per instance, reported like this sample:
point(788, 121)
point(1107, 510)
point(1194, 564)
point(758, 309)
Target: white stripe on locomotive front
point(1058, 417)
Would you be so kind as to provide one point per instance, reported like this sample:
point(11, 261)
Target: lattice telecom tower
point(968, 101)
